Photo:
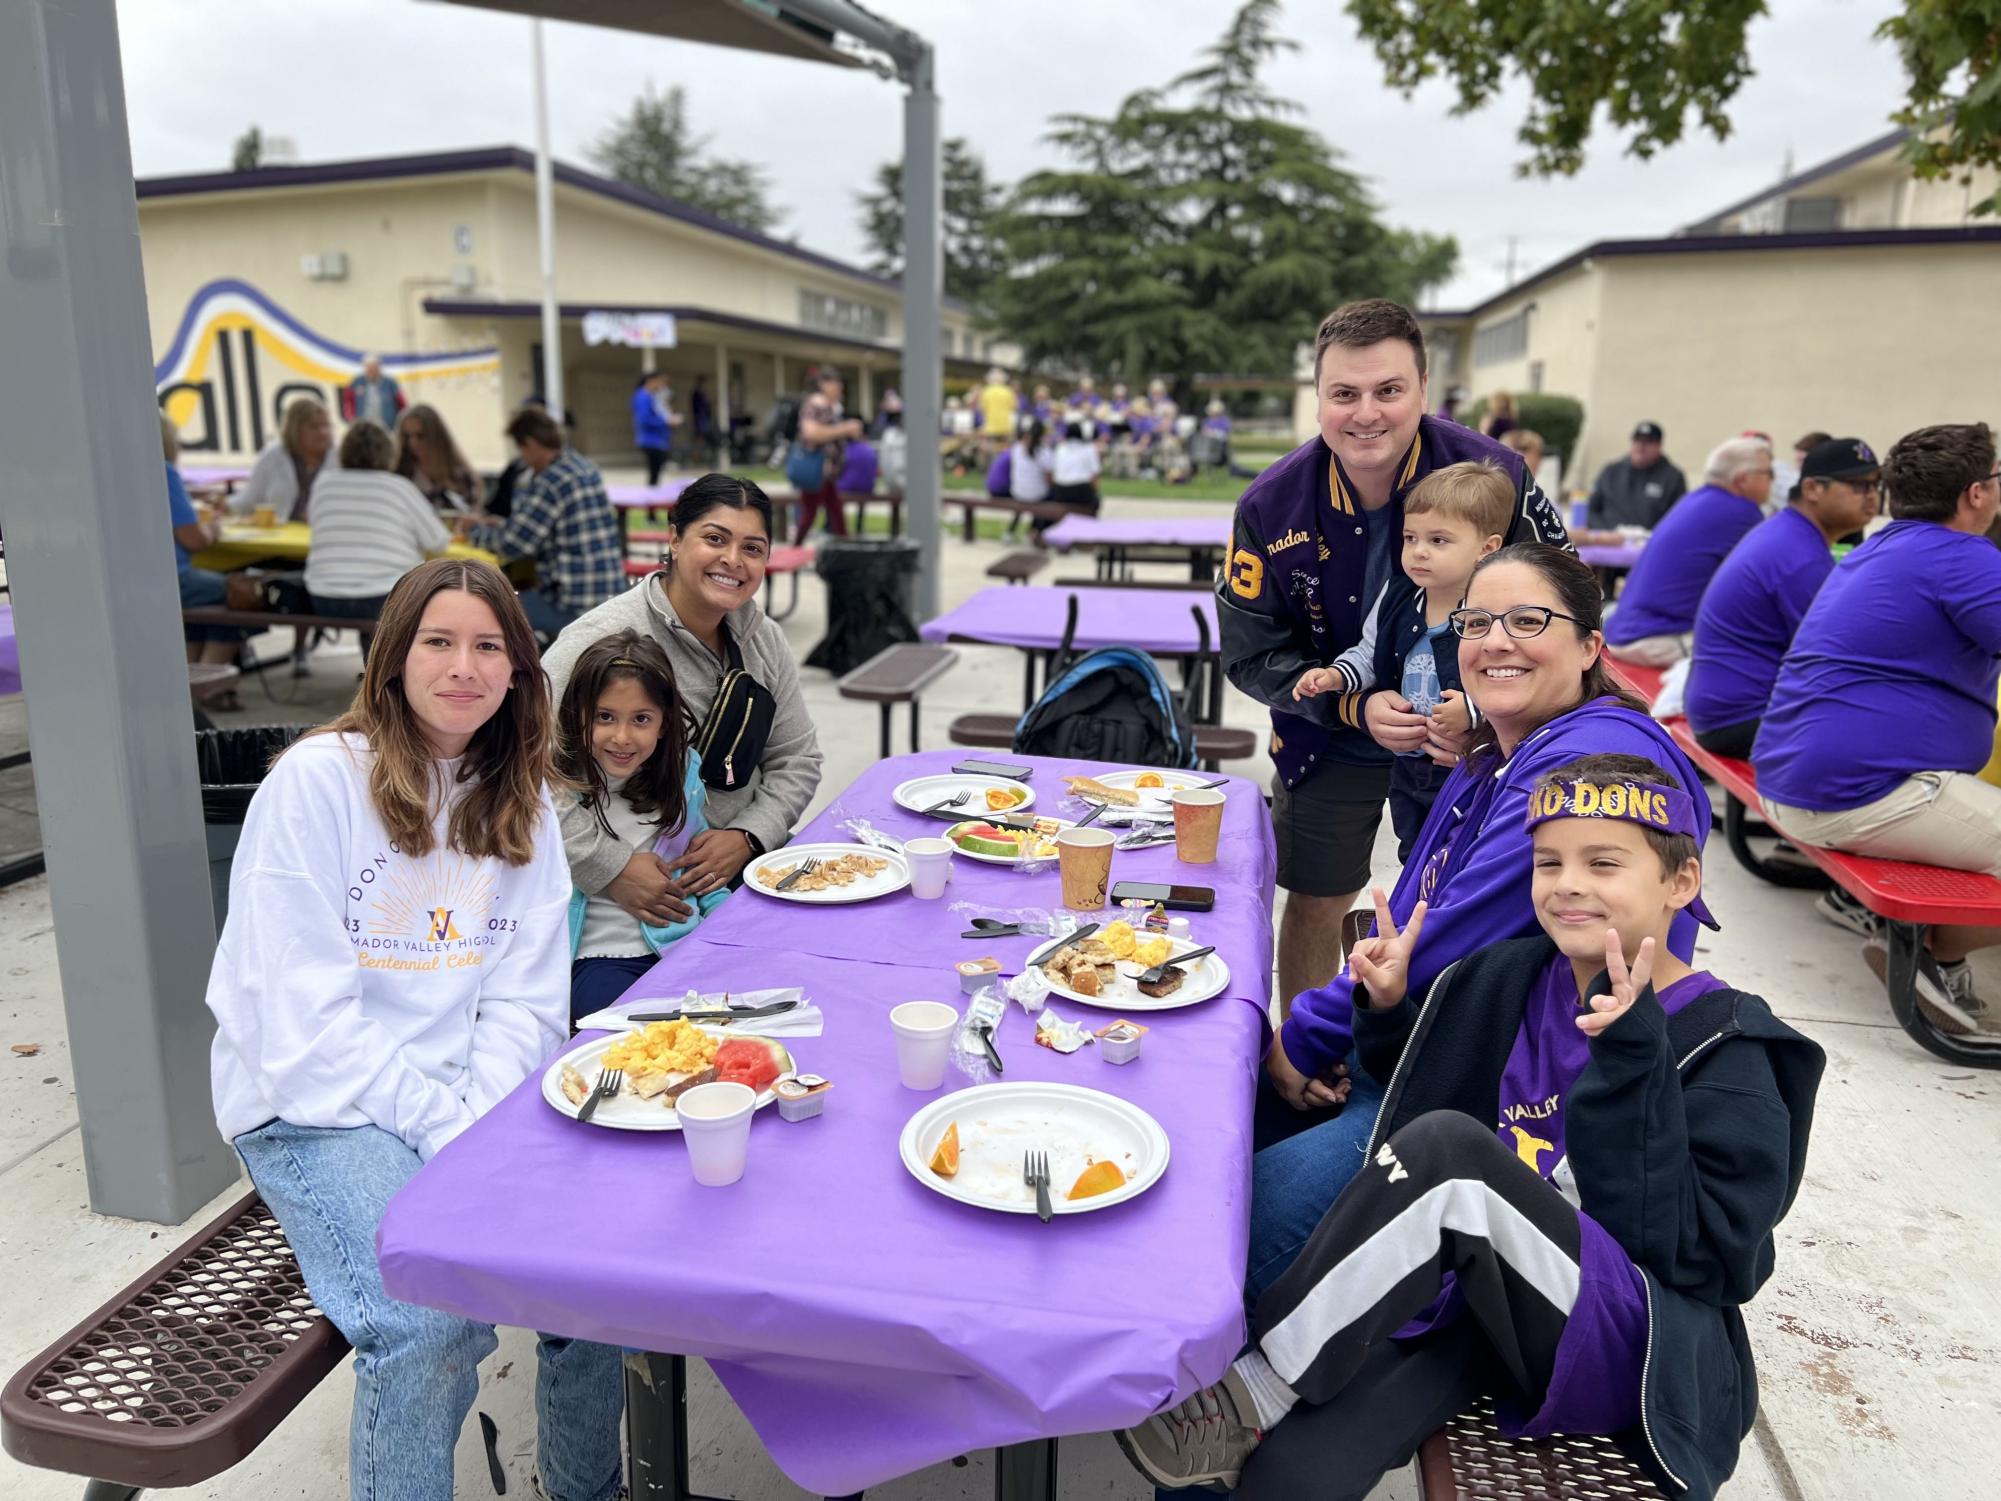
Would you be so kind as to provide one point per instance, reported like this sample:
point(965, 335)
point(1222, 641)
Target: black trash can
point(871, 598)
point(231, 764)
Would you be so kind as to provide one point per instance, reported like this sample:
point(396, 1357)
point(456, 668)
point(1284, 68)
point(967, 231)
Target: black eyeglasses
point(1522, 622)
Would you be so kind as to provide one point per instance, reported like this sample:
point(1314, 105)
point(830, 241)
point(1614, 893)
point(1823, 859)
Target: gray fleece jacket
point(771, 802)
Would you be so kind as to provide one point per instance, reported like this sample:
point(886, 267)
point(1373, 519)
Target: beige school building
point(265, 284)
point(1850, 298)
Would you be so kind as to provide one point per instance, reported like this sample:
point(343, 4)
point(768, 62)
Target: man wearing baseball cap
point(1638, 489)
point(1761, 591)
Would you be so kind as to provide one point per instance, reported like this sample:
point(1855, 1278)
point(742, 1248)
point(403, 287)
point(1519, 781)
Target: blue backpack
point(1109, 705)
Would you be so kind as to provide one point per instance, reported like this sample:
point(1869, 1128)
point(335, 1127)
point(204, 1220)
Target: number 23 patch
point(1247, 574)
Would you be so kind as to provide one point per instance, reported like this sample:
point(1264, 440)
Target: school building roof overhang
point(363, 170)
point(1839, 239)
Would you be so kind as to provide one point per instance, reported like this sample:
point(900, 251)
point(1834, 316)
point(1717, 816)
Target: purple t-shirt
point(1678, 562)
point(1595, 1386)
point(1892, 672)
point(1748, 616)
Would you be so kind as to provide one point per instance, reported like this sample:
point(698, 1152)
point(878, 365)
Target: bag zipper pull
point(729, 770)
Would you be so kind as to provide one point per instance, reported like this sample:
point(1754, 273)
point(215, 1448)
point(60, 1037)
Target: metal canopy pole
point(545, 233)
point(923, 286)
point(83, 501)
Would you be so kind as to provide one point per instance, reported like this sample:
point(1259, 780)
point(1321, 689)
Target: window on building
point(1535, 375)
point(1506, 340)
point(1806, 216)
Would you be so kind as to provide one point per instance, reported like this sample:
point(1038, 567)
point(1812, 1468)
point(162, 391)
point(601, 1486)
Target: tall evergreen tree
point(1200, 227)
point(652, 146)
point(970, 202)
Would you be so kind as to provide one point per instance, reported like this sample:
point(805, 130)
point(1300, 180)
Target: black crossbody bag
point(733, 735)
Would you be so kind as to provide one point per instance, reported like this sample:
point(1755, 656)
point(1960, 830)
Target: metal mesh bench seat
point(1469, 1459)
point(184, 1372)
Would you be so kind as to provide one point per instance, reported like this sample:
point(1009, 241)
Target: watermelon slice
point(985, 839)
point(745, 1060)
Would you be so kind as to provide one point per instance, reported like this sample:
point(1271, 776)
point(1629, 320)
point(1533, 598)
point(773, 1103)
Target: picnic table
point(1036, 619)
point(865, 1325)
point(10, 653)
point(243, 544)
point(1200, 540)
point(224, 477)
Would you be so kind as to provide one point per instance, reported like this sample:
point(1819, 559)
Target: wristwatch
point(756, 844)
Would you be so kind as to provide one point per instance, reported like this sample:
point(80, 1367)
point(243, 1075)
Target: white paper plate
point(920, 793)
point(987, 859)
point(1153, 801)
point(1207, 978)
point(894, 878)
point(625, 1111)
point(999, 1122)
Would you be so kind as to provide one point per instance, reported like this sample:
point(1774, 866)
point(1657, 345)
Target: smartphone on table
point(1174, 898)
point(994, 769)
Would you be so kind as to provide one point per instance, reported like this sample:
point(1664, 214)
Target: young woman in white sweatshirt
point(395, 961)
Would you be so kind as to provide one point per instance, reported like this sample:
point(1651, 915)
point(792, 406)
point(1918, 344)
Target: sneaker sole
point(1941, 1013)
point(1220, 1483)
point(1864, 925)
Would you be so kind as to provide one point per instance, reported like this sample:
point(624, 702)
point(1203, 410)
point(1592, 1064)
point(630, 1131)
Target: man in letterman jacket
point(1316, 537)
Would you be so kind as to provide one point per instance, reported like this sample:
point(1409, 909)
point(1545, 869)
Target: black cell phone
point(1178, 898)
point(994, 769)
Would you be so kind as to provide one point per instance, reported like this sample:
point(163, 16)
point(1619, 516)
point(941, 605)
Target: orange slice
point(945, 1161)
point(1149, 779)
point(999, 799)
point(1098, 1178)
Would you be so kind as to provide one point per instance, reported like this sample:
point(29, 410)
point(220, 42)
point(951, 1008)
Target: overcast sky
point(348, 78)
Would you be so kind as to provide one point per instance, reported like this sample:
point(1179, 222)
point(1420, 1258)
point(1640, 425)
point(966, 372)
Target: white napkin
point(803, 1020)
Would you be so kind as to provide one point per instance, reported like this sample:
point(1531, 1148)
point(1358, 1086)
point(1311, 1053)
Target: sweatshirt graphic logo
point(431, 913)
point(442, 930)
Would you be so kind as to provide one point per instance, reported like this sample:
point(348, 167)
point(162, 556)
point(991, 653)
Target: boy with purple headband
point(1570, 1191)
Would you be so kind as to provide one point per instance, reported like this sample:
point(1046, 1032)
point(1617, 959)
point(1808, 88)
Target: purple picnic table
point(645, 497)
point(1609, 555)
point(1201, 539)
point(1034, 619)
point(196, 477)
point(866, 1326)
point(10, 654)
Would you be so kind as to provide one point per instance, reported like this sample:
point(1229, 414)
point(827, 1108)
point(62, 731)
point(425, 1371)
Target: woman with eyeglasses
point(1529, 655)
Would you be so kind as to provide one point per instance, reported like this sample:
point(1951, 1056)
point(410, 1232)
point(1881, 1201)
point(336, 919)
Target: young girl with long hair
point(392, 966)
point(623, 733)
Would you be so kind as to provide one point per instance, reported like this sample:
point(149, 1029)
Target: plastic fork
point(610, 1082)
point(958, 799)
point(812, 864)
point(1035, 1173)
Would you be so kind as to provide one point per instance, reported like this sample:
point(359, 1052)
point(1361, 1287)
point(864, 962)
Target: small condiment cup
point(1198, 823)
point(715, 1121)
point(923, 1042)
point(930, 866)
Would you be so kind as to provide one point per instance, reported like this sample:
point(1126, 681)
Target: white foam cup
point(923, 1041)
point(930, 866)
point(715, 1121)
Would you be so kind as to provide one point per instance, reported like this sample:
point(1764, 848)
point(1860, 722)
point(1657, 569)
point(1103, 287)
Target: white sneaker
point(1944, 994)
point(1841, 909)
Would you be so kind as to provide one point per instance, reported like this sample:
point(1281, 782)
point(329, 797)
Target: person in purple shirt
point(1885, 707)
point(1760, 593)
point(1529, 658)
point(1655, 618)
point(1571, 1191)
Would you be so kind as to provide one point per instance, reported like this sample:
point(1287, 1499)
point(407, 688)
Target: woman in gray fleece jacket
point(715, 566)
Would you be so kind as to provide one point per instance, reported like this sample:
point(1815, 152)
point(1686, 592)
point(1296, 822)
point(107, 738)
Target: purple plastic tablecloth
point(10, 653)
point(1139, 531)
point(645, 497)
point(197, 477)
point(1154, 620)
point(1621, 555)
point(866, 1326)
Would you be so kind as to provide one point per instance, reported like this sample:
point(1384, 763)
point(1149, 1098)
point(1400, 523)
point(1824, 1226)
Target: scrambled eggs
point(676, 1047)
point(1125, 943)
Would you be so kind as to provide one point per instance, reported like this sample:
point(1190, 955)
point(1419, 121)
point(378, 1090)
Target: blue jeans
point(416, 1370)
point(597, 983)
point(1304, 1159)
point(368, 607)
point(544, 614)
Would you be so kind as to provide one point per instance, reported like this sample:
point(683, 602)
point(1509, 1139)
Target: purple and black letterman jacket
point(1291, 597)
